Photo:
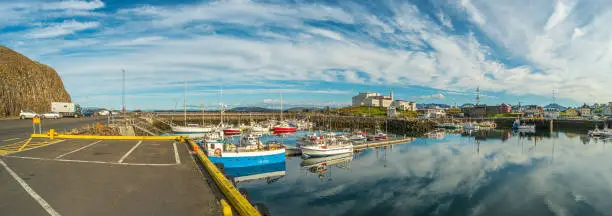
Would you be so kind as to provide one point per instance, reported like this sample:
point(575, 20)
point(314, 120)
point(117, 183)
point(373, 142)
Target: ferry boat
point(244, 154)
point(518, 126)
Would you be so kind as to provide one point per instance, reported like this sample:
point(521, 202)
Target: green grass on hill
point(370, 111)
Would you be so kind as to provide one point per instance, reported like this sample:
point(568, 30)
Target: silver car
point(51, 115)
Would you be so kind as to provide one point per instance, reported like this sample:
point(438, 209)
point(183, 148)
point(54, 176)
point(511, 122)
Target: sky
point(317, 53)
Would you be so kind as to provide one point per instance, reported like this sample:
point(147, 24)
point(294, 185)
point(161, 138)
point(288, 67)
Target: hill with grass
point(27, 85)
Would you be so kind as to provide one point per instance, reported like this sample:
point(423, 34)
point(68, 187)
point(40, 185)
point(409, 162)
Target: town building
point(391, 112)
point(533, 111)
point(505, 108)
point(493, 110)
point(404, 105)
point(466, 109)
point(478, 111)
point(569, 113)
point(551, 113)
point(607, 109)
point(373, 99)
point(585, 111)
point(433, 113)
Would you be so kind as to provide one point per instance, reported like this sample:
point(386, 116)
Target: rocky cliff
point(26, 84)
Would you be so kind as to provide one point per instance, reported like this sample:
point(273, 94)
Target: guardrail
point(51, 134)
point(241, 204)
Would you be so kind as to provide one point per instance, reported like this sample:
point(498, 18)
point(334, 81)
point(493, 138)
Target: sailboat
point(283, 127)
point(190, 129)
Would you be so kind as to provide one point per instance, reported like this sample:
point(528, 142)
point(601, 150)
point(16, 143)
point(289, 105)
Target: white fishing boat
point(323, 148)
point(358, 136)
point(244, 154)
point(517, 125)
point(600, 133)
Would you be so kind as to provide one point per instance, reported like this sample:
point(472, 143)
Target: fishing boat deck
point(105, 177)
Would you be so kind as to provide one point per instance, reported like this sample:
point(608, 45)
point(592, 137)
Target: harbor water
point(480, 173)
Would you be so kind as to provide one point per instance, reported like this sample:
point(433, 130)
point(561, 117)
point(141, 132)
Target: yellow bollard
point(225, 207)
point(51, 133)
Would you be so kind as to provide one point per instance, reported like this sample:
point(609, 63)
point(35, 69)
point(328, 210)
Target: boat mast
point(281, 106)
point(202, 110)
point(185, 101)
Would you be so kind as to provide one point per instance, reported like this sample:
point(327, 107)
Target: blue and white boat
point(251, 152)
point(270, 172)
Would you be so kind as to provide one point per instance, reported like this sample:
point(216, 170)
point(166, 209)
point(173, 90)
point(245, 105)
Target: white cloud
point(60, 29)
point(140, 41)
point(577, 33)
point(425, 97)
point(73, 5)
point(561, 12)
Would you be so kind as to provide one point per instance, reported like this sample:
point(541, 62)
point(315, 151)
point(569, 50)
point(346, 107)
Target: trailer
point(66, 109)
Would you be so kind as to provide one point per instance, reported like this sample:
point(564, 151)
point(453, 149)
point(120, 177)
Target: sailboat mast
point(185, 101)
point(222, 107)
point(281, 106)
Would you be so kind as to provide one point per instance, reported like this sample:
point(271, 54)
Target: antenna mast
point(478, 95)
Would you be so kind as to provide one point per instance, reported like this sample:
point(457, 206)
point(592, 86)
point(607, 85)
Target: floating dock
point(361, 146)
point(113, 176)
point(294, 151)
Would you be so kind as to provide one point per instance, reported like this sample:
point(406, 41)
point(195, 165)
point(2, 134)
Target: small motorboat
point(517, 125)
point(380, 136)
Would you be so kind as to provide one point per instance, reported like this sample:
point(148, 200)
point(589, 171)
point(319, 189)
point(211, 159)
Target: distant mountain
point(252, 109)
point(432, 105)
point(304, 109)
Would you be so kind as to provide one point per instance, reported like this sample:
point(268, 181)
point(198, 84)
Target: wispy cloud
point(60, 29)
point(433, 96)
point(74, 5)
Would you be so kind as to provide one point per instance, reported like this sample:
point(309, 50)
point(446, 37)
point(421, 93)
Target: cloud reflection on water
point(456, 175)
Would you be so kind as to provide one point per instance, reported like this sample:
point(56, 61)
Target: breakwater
point(409, 127)
point(371, 124)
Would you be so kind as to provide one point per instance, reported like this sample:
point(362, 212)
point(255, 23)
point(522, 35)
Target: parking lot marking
point(79, 149)
point(30, 191)
point(129, 152)
point(11, 139)
point(176, 154)
point(95, 162)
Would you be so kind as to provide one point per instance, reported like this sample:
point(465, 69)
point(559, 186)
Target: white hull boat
point(322, 151)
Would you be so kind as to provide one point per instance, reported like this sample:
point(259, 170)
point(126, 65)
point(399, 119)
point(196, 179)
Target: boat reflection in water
point(270, 172)
point(320, 165)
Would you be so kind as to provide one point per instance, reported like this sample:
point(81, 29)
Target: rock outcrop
point(27, 85)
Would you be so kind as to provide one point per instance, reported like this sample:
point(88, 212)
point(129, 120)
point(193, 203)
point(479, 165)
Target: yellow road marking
point(11, 139)
point(25, 144)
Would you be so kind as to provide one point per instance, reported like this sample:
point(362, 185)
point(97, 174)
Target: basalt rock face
point(27, 85)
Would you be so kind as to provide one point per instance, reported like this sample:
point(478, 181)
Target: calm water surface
point(484, 173)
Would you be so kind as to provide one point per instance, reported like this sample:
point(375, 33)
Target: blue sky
point(317, 52)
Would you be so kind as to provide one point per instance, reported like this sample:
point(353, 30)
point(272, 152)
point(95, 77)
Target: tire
point(22, 117)
point(263, 210)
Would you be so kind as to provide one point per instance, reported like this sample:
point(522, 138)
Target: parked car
point(51, 115)
point(24, 114)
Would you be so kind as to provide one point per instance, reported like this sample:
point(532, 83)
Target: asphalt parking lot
point(104, 177)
